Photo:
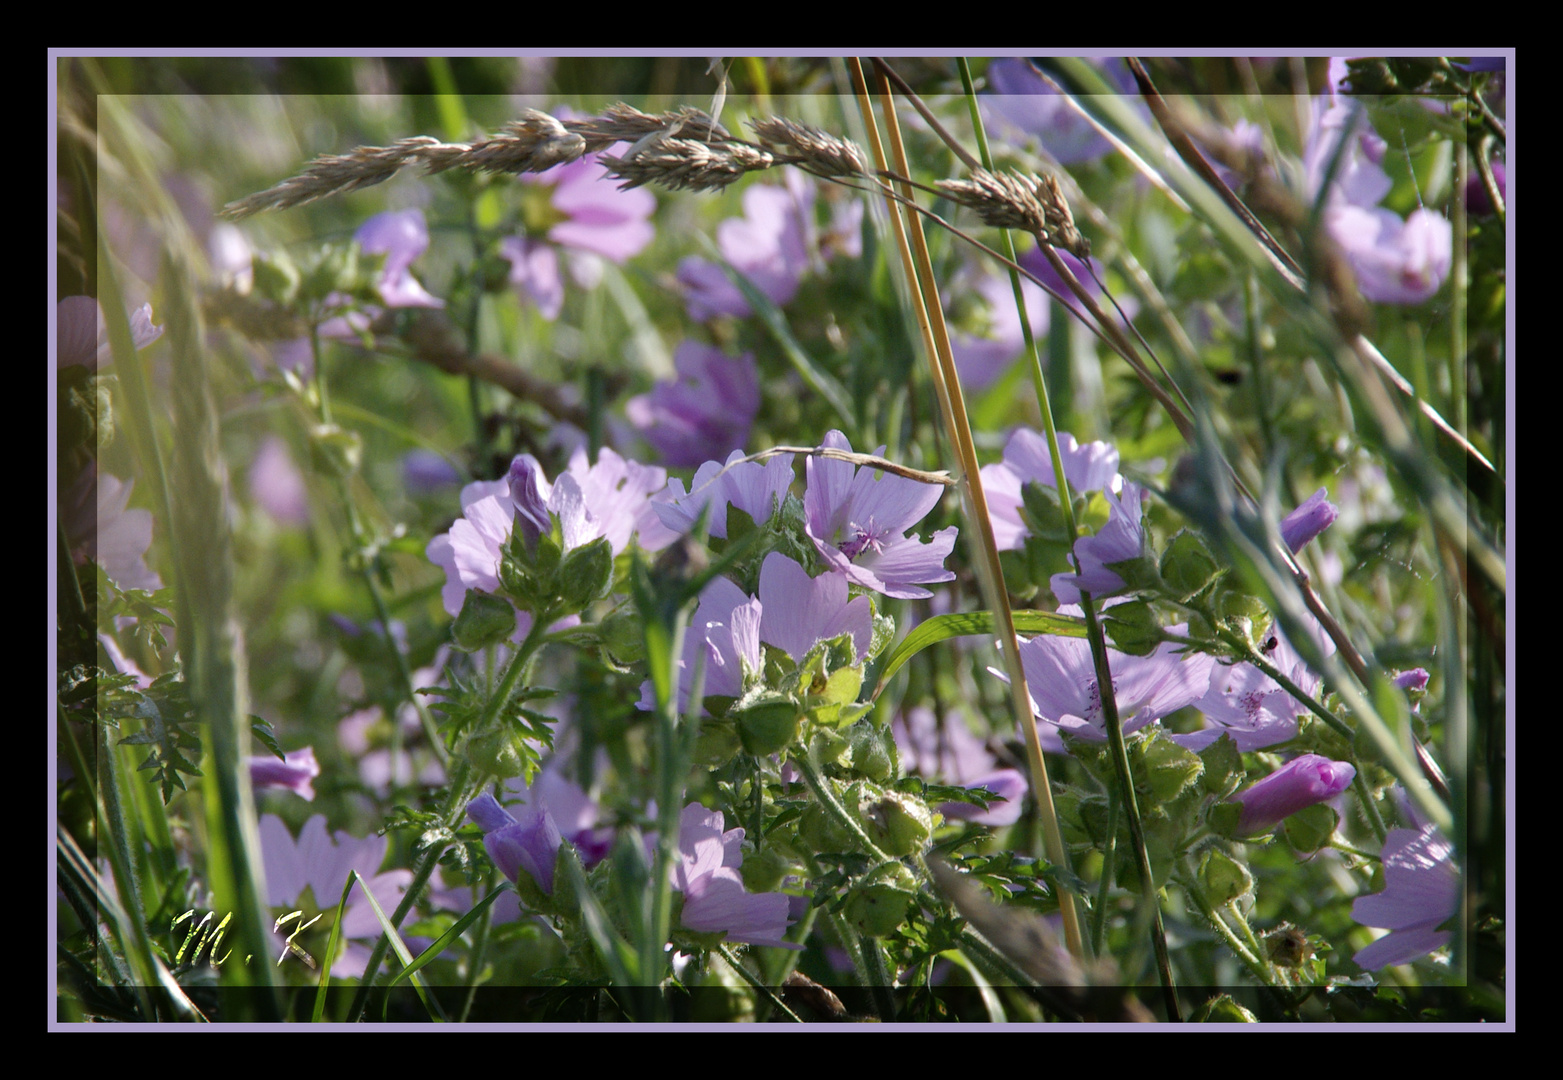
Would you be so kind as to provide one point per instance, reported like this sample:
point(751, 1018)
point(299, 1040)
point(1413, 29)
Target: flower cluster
point(1396, 261)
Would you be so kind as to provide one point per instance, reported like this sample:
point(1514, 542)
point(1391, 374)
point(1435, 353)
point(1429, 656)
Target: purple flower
point(610, 499)
point(724, 634)
point(1413, 681)
point(858, 520)
point(1061, 676)
point(767, 245)
point(82, 336)
point(1252, 708)
point(758, 490)
point(793, 612)
point(598, 220)
point(1308, 520)
point(530, 844)
point(950, 752)
point(1295, 786)
point(705, 412)
point(277, 485)
point(1122, 539)
point(116, 538)
point(772, 245)
point(295, 772)
point(715, 901)
point(401, 236)
point(797, 611)
point(322, 864)
point(427, 473)
point(1421, 893)
point(980, 358)
point(1086, 274)
point(1019, 98)
point(574, 811)
point(1092, 467)
point(1395, 261)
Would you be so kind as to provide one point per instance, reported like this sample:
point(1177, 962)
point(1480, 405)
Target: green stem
point(1120, 757)
point(1260, 970)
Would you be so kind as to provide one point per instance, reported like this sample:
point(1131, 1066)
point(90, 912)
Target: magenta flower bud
point(1295, 786)
point(529, 491)
point(1412, 681)
point(530, 844)
point(294, 772)
point(1308, 520)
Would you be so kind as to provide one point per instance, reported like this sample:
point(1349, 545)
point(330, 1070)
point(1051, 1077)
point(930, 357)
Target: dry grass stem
point(1013, 200)
point(812, 149)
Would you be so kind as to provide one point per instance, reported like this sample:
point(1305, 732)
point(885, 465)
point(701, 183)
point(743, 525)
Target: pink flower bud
point(1295, 786)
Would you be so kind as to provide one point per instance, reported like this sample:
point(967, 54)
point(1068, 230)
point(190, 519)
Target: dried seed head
point(534, 143)
point(332, 174)
point(811, 148)
point(1014, 200)
point(682, 163)
point(625, 123)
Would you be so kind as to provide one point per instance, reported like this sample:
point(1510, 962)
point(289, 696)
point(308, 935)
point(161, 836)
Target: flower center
point(860, 538)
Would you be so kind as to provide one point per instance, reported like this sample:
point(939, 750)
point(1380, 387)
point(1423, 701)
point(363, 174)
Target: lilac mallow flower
point(1308, 520)
point(530, 843)
point(715, 901)
point(723, 636)
point(276, 485)
point(949, 751)
point(1019, 99)
point(573, 810)
point(1295, 786)
point(707, 410)
point(115, 537)
point(294, 772)
point(1246, 704)
point(610, 499)
point(758, 490)
point(321, 864)
point(1421, 893)
point(1092, 467)
point(798, 611)
point(981, 357)
point(858, 520)
point(1120, 540)
point(83, 336)
point(401, 236)
point(583, 212)
point(1061, 676)
point(1395, 261)
point(793, 612)
point(773, 245)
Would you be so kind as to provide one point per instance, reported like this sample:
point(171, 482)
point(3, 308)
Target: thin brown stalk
point(990, 575)
point(1196, 161)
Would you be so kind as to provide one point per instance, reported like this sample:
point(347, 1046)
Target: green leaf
point(973, 624)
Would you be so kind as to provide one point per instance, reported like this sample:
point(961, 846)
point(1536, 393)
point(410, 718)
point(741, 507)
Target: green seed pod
point(900, 824)
point(485, 620)
point(493, 753)
point(585, 573)
point(768, 726)
point(878, 905)
point(1187, 566)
